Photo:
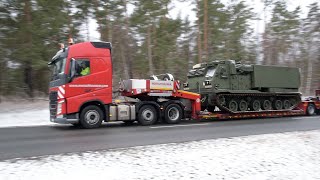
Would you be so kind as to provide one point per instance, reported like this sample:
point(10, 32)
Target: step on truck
point(81, 91)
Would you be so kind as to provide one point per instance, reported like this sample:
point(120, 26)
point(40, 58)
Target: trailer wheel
point(311, 109)
point(147, 115)
point(173, 114)
point(91, 117)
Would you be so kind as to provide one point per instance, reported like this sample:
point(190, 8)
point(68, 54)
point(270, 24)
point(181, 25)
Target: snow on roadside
point(14, 114)
point(25, 118)
point(294, 155)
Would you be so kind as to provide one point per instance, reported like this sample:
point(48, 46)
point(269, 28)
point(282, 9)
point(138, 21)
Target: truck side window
point(82, 67)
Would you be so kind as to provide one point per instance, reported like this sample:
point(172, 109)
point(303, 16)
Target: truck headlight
point(59, 107)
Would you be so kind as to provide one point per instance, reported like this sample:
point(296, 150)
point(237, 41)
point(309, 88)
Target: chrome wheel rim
point(173, 113)
point(147, 115)
point(92, 117)
point(311, 110)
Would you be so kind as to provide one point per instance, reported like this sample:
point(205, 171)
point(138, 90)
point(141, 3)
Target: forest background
point(148, 40)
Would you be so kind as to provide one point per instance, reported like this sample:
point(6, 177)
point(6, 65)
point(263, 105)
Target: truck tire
point(173, 114)
point(91, 117)
point(147, 115)
point(311, 109)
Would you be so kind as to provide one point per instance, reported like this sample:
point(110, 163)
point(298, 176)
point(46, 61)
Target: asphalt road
point(28, 142)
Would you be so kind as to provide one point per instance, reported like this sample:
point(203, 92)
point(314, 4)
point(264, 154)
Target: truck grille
point(53, 103)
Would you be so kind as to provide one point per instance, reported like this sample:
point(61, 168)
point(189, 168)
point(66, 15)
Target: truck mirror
point(72, 69)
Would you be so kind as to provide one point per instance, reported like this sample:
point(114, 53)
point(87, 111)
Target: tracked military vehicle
point(237, 88)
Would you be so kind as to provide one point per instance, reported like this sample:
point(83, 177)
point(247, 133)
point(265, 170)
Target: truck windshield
point(58, 64)
point(210, 72)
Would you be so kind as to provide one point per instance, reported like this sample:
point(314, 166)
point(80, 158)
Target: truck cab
point(70, 88)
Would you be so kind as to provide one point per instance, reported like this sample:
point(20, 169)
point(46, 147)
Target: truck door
point(90, 82)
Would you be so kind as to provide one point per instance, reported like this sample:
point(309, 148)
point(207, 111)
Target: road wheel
point(173, 114)
point(286, 104)
point(266, 105)
point(233, 105)
point(255, 105)
point(147, 115)
point(91, 117)
point(277, 105)
point(243, 105)
point(311, 109)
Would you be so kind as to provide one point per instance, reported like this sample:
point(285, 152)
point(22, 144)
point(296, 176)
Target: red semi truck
point(81, 93)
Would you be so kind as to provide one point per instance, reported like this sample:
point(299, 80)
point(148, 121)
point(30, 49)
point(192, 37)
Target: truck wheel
point(173, 114)
point(91, 117)
point(311, 109)
point(147, 115)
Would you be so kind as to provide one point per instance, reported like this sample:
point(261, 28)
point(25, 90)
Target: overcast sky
point(185, 9)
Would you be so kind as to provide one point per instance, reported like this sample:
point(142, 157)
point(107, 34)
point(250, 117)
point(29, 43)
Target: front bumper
point(64, 120)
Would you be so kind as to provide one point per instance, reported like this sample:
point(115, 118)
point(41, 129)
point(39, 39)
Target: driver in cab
point(85, 70)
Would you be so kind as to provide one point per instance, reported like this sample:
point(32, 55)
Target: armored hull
point(236, 88)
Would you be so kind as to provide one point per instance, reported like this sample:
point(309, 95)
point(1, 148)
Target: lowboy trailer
point(85, 98)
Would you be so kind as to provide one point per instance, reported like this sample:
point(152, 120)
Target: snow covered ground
point(294, 155)
point(24, 114)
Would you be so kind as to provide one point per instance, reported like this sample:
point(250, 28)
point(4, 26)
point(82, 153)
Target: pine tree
point(310, 51)
point(280, 34)
point(145, 18)
point(36, 29)
point(239, 32)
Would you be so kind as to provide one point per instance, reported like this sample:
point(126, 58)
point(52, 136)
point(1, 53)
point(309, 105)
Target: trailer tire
point(91, 117)
point(147, 115)
point(173, 114)
point(311, 109)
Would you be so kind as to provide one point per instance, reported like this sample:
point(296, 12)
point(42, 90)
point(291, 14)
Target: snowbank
point(25, 118)
point(275, 156)
point(13, 114)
